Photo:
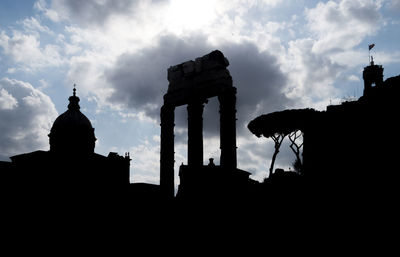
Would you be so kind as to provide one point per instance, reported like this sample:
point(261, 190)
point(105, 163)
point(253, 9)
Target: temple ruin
point(191, 83)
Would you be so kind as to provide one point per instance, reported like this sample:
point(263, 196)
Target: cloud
point(132, 25)
point(42, 6)
point(395, 5)
point(139, 80)
point(259, 80)
point(145, 163)
point(344, 24)
point(26, 51)
point(7, 101)
point(91, 12)
point(26, 117)
point(130, 70)
point(32, 25)
point(312, 75)
point(354, 78)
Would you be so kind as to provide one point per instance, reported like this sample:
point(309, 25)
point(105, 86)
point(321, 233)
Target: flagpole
point(369, 52)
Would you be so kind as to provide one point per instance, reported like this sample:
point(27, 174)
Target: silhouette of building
point(350, 149)
point(348, 152)
point(372, 74)
point(71, 168)
point(191, 83)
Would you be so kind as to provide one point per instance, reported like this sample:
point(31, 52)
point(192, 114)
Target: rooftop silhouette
point(346, 154)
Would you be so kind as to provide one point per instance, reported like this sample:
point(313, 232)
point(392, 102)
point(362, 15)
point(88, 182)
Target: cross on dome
point(73, 100)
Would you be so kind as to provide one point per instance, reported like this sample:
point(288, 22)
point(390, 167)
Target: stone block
point(188, 68)
point(175, 73)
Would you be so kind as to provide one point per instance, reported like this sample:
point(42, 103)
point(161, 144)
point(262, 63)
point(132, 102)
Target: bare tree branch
point(294, 145)
point(278, 139)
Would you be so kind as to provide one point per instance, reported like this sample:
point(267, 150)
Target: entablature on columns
point(203, 78)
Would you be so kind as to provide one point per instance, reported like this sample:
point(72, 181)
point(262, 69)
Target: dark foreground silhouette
point(349, 163)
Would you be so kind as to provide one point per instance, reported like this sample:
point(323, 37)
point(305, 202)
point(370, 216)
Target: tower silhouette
point(372, 74)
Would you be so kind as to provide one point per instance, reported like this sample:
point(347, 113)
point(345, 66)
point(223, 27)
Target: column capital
point(167, 108)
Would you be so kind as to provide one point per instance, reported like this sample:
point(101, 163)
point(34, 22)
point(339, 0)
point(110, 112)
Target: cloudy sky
point(282, 53)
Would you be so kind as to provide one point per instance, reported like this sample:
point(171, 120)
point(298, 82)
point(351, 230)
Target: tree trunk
point(296, 148)
point(271, 168)
point(278, 141)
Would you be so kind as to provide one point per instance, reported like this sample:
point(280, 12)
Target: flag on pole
point(371, 46)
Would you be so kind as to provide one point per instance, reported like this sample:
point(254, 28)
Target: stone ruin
point(191, 83)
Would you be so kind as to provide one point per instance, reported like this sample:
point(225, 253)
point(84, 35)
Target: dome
point(72, 132)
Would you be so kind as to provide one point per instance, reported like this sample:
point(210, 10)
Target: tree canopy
point(278, 125)
point(282, 122)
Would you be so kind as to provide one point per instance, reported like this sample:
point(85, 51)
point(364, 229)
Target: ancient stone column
point(195, 133)
point(167, 151)
point(227, 103)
